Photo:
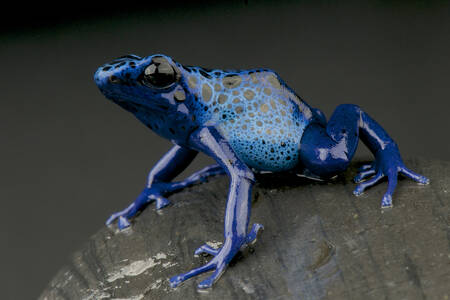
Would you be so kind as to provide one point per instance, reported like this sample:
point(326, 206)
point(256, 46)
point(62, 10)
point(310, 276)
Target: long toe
point(123, 223)
point(365, 167)
point(254, 233)
point(206, 249)
point(176, 280)
point(363, 175)
point(208, 282)
point(386, 202)
point(125, 212)
point(360, 188)
point(414, 176)
point(161, 202)
point(111, 219)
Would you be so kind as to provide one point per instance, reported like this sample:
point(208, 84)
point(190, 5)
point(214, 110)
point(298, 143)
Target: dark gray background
point(70, 157)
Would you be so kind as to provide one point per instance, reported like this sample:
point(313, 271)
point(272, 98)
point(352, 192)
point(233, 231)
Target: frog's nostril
point(114, 79)
point(100, 76)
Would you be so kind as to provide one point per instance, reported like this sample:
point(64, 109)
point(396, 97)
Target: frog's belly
point(266, 145)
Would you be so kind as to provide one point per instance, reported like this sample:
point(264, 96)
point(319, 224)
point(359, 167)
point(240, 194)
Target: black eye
point(159, 74)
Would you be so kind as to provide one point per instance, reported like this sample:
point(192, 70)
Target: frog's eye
point(159, 74)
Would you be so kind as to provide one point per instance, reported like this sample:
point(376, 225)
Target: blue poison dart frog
point(248, 121)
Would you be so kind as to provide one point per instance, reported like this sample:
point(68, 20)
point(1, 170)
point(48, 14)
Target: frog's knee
point(320, 116)
point(323, 163)
point(322, 155)
point(348, 108)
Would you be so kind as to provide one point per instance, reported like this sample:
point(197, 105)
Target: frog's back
point(259, 115)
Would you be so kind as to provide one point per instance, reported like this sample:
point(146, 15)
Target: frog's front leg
point(327, 150)
point(237, 214)
point(159, 185)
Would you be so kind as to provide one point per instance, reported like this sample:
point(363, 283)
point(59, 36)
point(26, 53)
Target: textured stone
point(320, 242)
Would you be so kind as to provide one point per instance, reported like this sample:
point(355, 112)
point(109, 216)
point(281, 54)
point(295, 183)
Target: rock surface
point(320, 242)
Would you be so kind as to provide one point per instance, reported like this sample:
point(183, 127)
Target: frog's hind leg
point(327, 149)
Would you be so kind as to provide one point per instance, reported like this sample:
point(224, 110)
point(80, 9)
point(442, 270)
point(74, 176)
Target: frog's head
point(137, 83)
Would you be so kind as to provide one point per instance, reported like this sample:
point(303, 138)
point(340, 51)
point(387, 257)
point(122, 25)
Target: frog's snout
point(119, 72)
point(99, 77)
point(102, 79)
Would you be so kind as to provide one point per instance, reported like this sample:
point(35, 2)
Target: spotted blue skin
point(247, 121)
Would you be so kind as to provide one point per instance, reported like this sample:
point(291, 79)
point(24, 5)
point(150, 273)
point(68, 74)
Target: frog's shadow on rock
point(290, 179)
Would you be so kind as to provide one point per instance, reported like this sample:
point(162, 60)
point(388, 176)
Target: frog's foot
point(220, 261)
point(388, 163)
point(156, 193)
point(147, 196)
point(251, 238)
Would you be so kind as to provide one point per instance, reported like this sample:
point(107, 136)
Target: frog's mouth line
point(134, 107)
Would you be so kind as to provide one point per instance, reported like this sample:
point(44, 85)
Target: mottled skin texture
point(261, 118)
point(248, 121)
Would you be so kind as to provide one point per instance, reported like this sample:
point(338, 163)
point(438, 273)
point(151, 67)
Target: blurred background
point(70, 158)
